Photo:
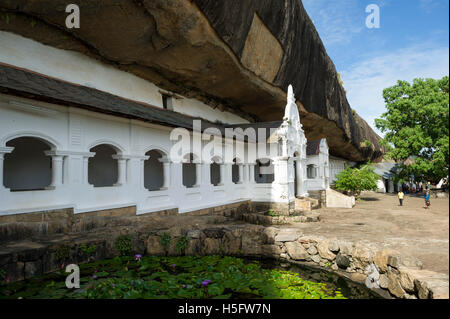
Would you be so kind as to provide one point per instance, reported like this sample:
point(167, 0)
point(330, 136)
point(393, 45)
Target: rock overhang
point(203, 49)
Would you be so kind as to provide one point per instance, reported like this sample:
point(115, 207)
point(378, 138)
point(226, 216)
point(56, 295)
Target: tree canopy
point(416, 127)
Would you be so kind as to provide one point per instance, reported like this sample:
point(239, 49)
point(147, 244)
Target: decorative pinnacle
point(290, 95)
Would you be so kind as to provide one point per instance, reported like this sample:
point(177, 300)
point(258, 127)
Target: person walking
point(427, 200)
point(401, 195)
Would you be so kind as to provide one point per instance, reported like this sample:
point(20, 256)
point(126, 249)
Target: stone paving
point(379, 220)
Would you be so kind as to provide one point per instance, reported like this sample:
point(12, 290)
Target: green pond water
point(189, 277)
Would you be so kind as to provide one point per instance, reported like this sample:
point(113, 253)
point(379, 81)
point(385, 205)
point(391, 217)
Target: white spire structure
point(291, 111)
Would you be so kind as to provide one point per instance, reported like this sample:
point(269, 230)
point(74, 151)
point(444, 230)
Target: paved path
point(380, 220)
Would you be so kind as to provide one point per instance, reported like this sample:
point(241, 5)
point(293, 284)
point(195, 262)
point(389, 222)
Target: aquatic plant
point(184, 277)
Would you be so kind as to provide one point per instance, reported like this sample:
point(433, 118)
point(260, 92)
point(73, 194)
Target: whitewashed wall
point(321, 162)
point(73, 132)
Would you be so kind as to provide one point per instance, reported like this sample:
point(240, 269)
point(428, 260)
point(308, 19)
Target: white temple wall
point(320, 164)
point(72, 133)
point(77, 68)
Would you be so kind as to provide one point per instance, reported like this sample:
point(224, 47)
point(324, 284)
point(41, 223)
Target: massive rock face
point(237, 56)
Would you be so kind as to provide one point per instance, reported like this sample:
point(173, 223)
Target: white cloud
point(365, 80)
point(336, 21)
point(428, 5)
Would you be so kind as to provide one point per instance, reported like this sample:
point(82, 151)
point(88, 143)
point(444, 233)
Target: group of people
point(427, 195)
point(414, 188)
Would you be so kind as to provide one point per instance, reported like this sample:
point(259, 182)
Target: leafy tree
point(416, 127)
point(356, 180)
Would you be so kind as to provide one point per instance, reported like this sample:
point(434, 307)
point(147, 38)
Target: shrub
point(182, 243)
point(88, 250)
point(356, 180)
point(165, 240)
point(62, 253)
point(123, 245)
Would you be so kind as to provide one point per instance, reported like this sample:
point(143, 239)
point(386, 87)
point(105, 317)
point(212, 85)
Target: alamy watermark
point(73, 19)
point(73, 280)
point(238, 145)
point(373, 19)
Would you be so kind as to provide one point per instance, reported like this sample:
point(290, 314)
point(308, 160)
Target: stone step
point(306, 203)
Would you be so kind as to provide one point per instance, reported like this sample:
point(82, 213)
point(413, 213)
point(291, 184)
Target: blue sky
point(412, 42)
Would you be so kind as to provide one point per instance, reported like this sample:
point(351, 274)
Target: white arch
point(216, 159)
point(54, 145)
point(118, 148)
point(186, 158)
point(238, 160)
point(160, 149)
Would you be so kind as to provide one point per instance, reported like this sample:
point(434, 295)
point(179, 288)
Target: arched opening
point(235, 172)
point(216, 177)
point(27, 167)
point(154, 171)
point(311, 171)
point(190, 172)
point(102, 168)
point(264, 171)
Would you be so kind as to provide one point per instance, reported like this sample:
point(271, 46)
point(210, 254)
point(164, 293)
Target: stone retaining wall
point(63, 221)
point(384, 271)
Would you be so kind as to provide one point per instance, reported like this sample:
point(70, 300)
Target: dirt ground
point(379, 219)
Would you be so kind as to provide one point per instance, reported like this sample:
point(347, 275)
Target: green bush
point(88, 250)
point(182, 244)
point(62, 253)
point(123, 245)
point(356, 180)
point(165, 240)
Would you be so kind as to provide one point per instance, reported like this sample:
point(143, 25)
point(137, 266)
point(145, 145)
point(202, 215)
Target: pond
point(189, 277)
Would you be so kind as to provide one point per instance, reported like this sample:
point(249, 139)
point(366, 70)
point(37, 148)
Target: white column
point(166, 174)
point(245, 174)
point(57, 169)
point(3, 150)
point(223, 174)
point(241, 174)
point(85, 169)
point(122, 171)
point(252, 173)
point(57, 165)
point(142, 172)
point(1, 170)
point(198, 174)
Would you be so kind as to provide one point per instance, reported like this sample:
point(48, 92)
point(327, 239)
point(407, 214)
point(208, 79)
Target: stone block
point(333, 246)
point(287, 236)
point(312, 250)
point(342, 261)
point(383, 281)
point(32, 269)
point(154, 246)
point(406, 280)
point(394, 286)
point(231, 244)
point(324, 252)
point(296, 251)
point(211, 246)
point(381, 259)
